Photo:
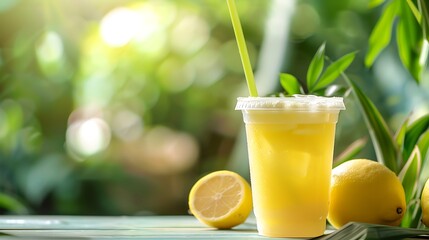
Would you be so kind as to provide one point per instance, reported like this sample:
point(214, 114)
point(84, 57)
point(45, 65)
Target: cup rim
point(294, 103)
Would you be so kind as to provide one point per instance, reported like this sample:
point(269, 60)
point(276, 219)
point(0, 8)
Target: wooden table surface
point(126, 227)
point(166, 227)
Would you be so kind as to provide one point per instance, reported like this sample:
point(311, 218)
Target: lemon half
point(221, 199)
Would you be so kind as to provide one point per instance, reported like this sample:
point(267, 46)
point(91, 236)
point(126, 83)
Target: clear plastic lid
point(293, 103)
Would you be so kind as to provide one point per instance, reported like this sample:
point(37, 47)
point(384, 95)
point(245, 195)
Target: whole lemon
point(365, 191)
point(425, 204)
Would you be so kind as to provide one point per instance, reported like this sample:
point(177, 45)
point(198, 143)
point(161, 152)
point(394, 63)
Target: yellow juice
point(290, 157)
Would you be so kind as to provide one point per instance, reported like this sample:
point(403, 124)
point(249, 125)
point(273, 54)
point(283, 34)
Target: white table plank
point(121, 228)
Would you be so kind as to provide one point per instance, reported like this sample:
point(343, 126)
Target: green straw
point(242, 48)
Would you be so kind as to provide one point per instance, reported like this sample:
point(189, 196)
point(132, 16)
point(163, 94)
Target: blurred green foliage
point(117, 107)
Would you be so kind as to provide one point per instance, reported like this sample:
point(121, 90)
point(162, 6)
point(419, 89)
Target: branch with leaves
point(319, 80)
point(412, 33)
point(405, 153)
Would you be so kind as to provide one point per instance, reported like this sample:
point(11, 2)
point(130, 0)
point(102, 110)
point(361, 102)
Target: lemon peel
point(424, 201)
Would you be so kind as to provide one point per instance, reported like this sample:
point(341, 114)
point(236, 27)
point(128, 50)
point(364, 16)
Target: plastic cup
point(290, 142)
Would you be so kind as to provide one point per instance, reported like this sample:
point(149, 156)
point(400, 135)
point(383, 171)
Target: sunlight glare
point(88, 137)
point(119, 26)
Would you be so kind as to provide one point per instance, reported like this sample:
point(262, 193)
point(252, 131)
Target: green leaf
point(416, 216)
point(423, 143)
point(411, 48)
point(409, 177)
point(424, 150)
point(414, 132)
point(353, 230)
point(423, 7)
point(382, 140)
point(336, 90)
point(45, 176)
point(334, 70)
point(382, 32)
point(415, 11)
point(410, 174)
point(400, 134)
point(316, 67)
point(375, 3)
point(412, 216)
point(351, 151)
point(11, 204)
point(290, 84)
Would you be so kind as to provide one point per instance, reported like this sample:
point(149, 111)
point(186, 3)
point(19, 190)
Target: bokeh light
point(161, 151)
point(88, 137)
point(306, 21)
point(208, 66)
point(50, 48)
point(127, 125)
point(190, 29)
point(50, 53)
point(119, 26)
point(175, 77)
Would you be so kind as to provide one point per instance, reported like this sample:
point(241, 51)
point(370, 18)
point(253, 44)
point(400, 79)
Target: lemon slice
point(221, 199)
